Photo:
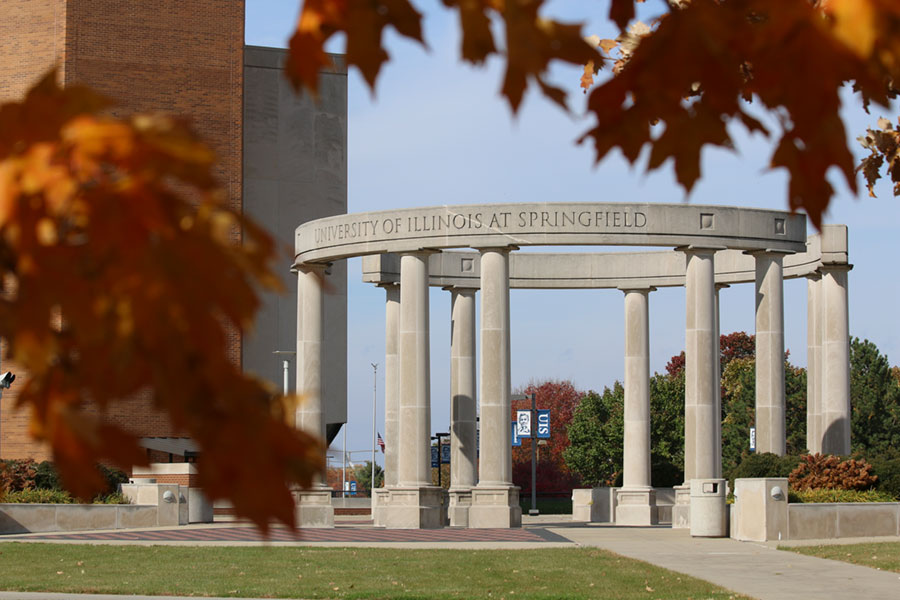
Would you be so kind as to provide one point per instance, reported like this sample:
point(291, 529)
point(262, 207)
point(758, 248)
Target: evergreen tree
point(874, 400)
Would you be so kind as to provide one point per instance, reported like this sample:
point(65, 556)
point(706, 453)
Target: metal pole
point(286, 366)
point(534, 509)
point(344, 470)
point(374, 416)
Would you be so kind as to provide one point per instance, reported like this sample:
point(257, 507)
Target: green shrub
point(837, 495)
point(763, 464)
point(36, 496)
point(887, 468)
point(664, 473)
point(113, 478)
point(46, 477)
point(117, 498)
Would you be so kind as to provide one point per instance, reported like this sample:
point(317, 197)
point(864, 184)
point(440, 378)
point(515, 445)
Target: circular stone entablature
point(549, 224)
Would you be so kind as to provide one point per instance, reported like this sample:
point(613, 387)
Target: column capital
point(637, 288)
point(507, 249)
point(834, 267)
point(323, 268)
point(768, 252)
point(722, 286)
point(694, 249)
point(422, 252)
point(459, 289)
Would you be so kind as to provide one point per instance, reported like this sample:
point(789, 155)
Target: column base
point(636, 507)
point(378, 500)
point(411, 508)
point(681, 511)
point(495, 508)
point(458, 509)
point(313, 508)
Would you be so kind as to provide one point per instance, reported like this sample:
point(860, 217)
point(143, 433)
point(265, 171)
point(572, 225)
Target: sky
point(436, 132)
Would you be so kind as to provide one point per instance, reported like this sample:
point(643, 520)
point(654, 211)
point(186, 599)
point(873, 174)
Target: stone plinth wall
point(843, 520)
point(761, 513)
point(598, 505)
point(37, 518)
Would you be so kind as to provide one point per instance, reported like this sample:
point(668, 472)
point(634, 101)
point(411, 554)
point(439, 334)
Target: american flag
point(381, 443)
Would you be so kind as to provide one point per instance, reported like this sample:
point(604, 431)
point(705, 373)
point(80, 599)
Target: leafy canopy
point(679, 83)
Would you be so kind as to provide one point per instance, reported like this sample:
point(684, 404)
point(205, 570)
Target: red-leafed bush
point(818, 471)
point(16, 475)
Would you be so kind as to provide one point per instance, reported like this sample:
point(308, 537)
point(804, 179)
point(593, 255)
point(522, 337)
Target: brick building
point(281, 158)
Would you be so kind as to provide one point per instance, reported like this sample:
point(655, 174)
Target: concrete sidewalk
point(752, 569)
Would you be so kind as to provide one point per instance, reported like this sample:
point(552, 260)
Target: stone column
point(414, 463)
point(637, 499)
point(391, 398)
point(835, 376)
point(391, 383)
point(770, 403)
point(719, 287)
point(495, 501)
point(702, 441)
point(462, 405)
point(414, 503)
point(813, 364)
point(313, 506)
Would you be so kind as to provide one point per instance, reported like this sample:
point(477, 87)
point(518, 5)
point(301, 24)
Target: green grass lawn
point(878, 555)
point(341, 572)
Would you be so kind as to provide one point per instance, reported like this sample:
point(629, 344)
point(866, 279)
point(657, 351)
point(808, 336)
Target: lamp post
point(344, 461)
point(286, 368)
point(374, 417)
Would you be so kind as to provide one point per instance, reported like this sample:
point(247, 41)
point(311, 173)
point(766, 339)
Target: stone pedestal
point(313, 508)
point(458, 508)
point(681, 510)
point(411, 508)
point(495, 507)
point(636, 507)
point(378, 506)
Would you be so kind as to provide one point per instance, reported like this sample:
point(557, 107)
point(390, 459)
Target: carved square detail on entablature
point(467, 265)
point(779, 227)
point(707, 221)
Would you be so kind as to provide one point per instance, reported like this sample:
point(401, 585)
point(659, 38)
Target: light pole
point(374, 417)
point(344, 470)
point(286, 368)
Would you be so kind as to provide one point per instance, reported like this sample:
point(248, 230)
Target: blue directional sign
point(543, 424)
point(435, 457)
point(516, 440)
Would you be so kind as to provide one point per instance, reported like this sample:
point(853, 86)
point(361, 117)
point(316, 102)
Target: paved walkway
point(756, 570)
point(753, 569)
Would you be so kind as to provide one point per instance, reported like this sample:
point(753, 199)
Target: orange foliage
point(818, 471)
point(122, 274)
point(678, 83)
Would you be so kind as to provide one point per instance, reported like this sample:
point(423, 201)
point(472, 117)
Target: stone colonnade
point(490, 499)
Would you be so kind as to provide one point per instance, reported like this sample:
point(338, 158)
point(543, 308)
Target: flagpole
point(374, 418)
